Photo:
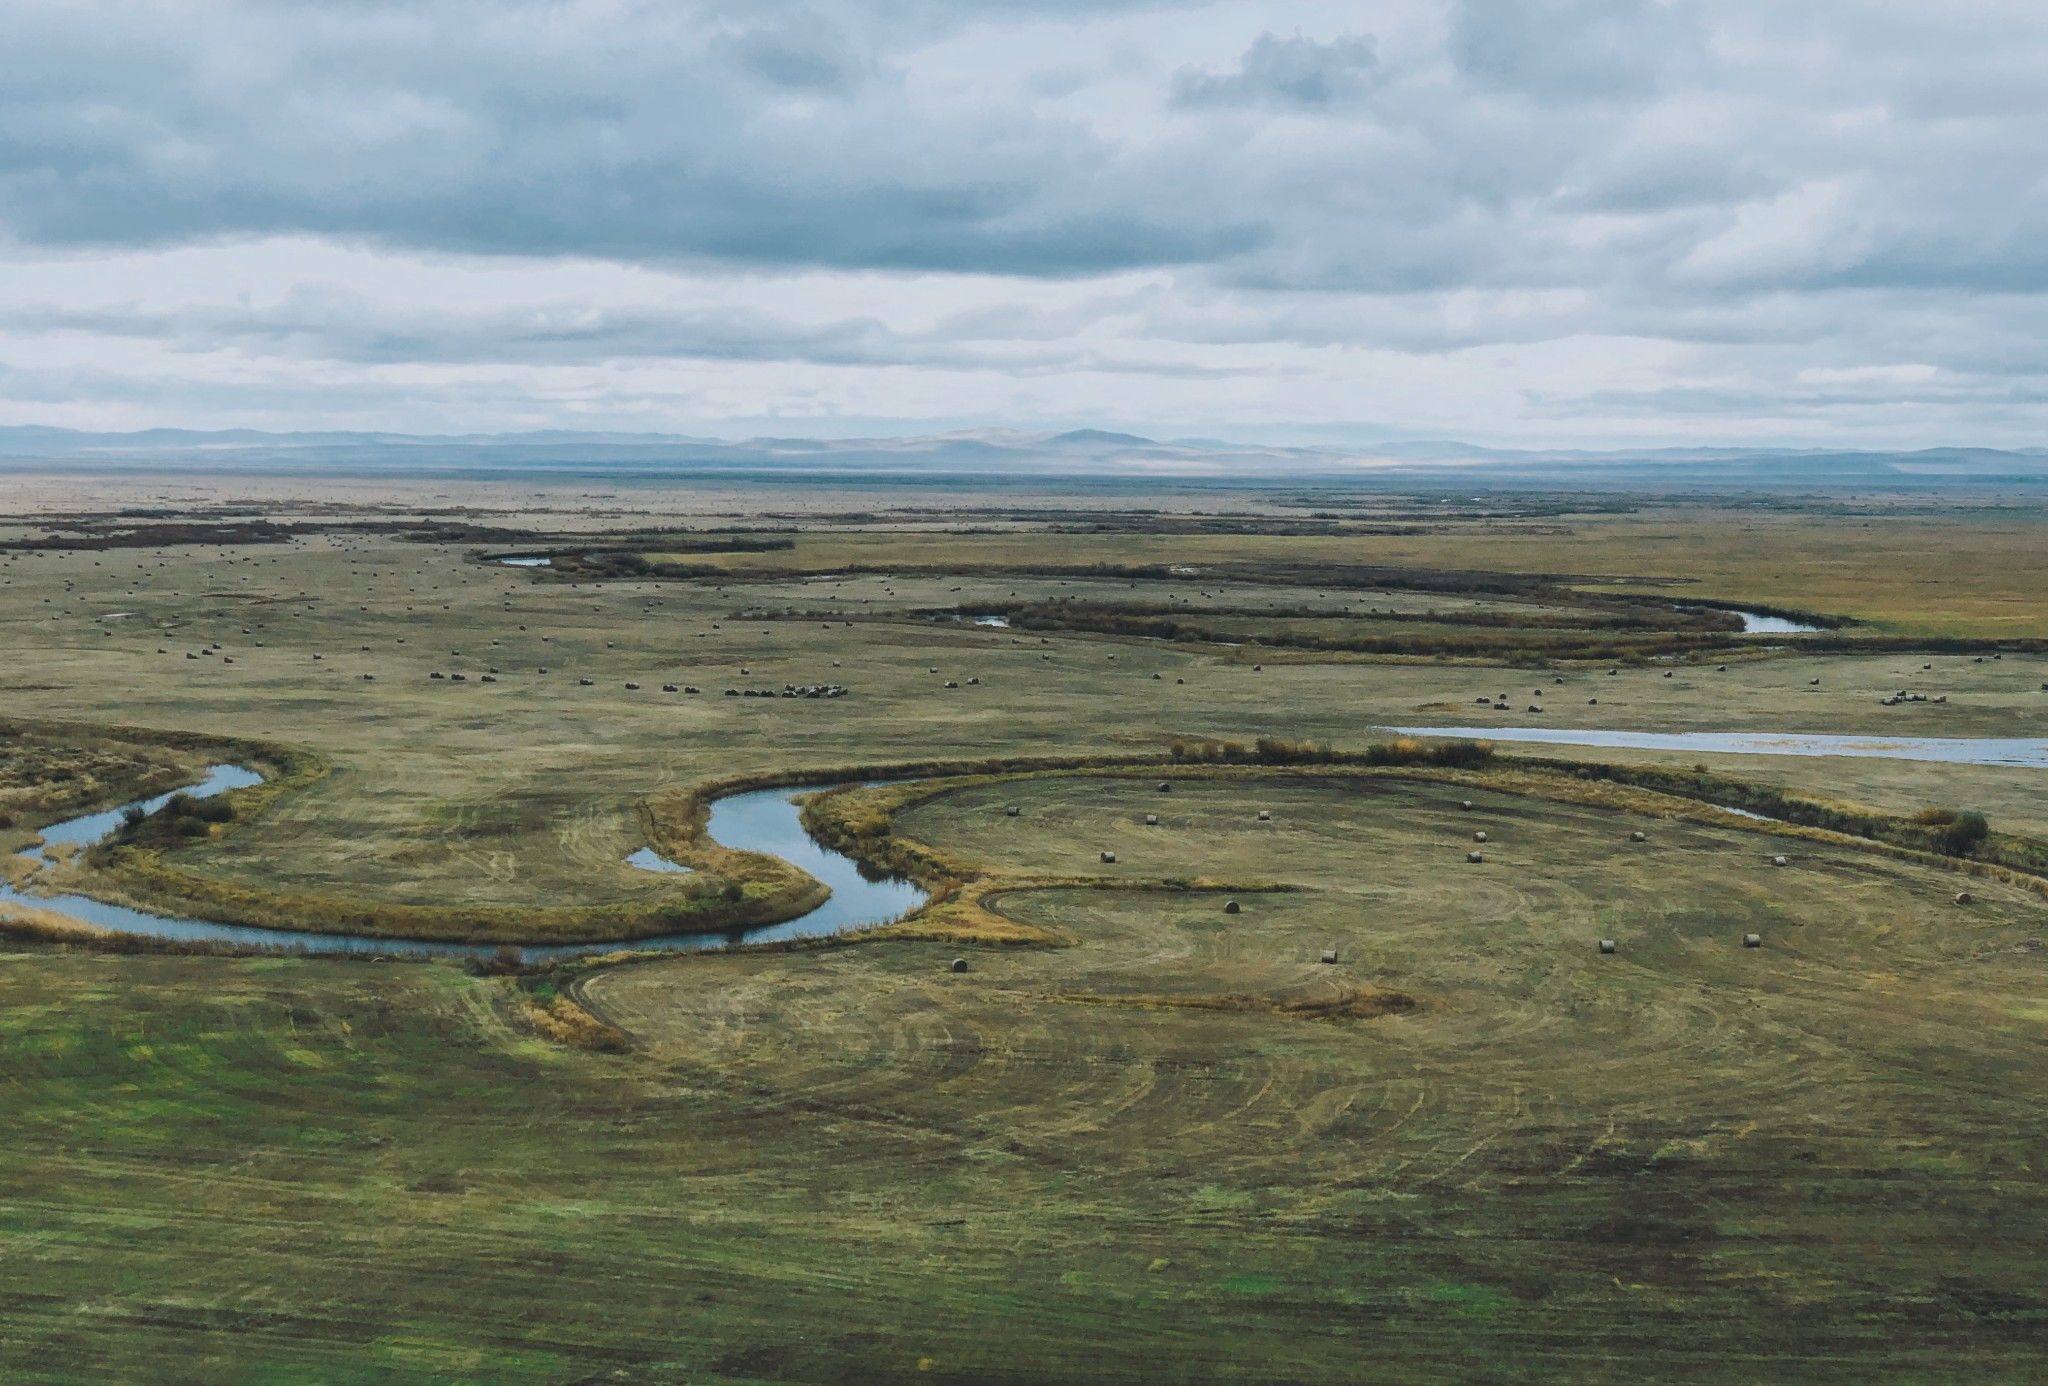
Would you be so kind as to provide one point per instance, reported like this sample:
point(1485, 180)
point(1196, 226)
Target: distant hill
point(1004, 454)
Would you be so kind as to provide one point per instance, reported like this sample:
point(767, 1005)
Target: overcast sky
point(1521, 222)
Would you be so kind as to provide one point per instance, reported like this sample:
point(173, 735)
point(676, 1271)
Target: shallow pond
point(1755, 623)
point(765, 820)
point(647, 859)
point(527, 562)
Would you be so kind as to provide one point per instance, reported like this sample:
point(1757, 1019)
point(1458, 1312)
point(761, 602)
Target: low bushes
point(1945, 832)
point(182, 817)
point(1458, 754)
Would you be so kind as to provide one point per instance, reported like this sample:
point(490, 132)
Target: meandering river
point(768, 821)
point(765, 820)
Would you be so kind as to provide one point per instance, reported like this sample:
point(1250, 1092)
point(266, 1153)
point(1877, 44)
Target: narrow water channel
point(765, 820)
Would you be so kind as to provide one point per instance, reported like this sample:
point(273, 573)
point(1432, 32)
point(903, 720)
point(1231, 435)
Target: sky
point(1585, 223)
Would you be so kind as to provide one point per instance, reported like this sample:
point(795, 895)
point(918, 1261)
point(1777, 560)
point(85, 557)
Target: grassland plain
point(1138, 1154)
point(1960, 573)
point(1177, 1145)
point(526, 794)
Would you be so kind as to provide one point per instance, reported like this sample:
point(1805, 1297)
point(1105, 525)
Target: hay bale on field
point(1011, 810)
point(1230, 907)
point(1607, 945)
point(1479, 837)
point(1109, 858)
point(1264, 816)
point(1963, 897)
point(1639, 836)
point(1151, 820)
point(1475, 857)
point(1465, 804)
point(1752, 940)
point(1329, 956)
point(1165, 787)
point(959, 965)
point(1781, 861)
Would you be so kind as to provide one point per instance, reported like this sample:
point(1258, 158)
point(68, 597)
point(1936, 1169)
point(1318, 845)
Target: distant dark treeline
point(626, 562)
point(1945, 831)
point(1508, 643)
point(1592, 616)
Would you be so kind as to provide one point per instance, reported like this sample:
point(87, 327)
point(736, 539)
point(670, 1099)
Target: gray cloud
point(1292, 71)
point(532, 133)
point(1322, 208)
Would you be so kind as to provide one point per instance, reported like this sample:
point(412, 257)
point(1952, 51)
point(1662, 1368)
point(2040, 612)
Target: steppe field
point(1275, 1013)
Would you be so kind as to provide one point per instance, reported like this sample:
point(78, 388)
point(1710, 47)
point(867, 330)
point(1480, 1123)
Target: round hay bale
point(959, 964)
point(1329, 955)
point(1230, 907)
point(1465, 804)
point(1264, 816)
point(1165, 788)
point(1475, 857)
point(1781, 861)
point(1151, 820)
point(1639, 836)
point(1752, 940)
point(1109, 858)
point(1963, 897)
point(1607, 945)
point(1011, 810)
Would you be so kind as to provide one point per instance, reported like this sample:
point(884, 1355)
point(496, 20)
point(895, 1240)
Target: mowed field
point(1146, 1155)
point(1177, 1145)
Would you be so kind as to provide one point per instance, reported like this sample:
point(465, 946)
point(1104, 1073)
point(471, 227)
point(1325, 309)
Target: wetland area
point(1210, 934)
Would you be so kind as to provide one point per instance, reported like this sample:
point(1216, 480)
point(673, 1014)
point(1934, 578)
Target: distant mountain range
point(1002, 454)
